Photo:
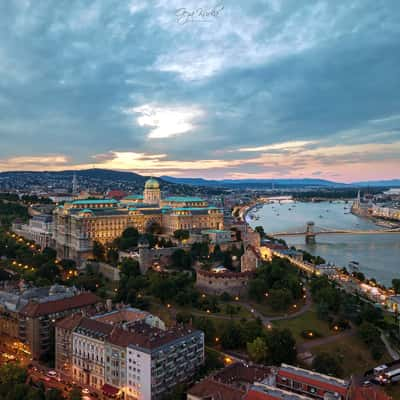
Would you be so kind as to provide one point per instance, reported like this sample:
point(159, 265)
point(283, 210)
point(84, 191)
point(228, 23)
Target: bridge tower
point(310, 234)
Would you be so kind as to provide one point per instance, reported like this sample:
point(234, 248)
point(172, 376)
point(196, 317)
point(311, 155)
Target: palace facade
point(79, 223)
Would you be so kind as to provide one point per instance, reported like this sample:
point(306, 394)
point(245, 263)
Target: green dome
point(152, 184)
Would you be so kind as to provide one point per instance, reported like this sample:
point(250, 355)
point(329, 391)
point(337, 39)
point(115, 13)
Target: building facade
point(234, 283)
point(38, 230)
point(79, 223)
point(311, 384)
point(37, 320)
point(137, 361)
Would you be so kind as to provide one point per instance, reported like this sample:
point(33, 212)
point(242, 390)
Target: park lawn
point(265, 309)
point(306, 321)
point(241, 312)
point(167, 315)
point(161, 311)
point(354, 355)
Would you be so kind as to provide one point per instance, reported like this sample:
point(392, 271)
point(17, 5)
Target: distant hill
point(94, 173)
point(385, 183)
point(254, 182)
point(268, 183)
point(112, 178)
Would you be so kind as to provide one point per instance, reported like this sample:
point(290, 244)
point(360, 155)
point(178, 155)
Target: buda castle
point(79, 223)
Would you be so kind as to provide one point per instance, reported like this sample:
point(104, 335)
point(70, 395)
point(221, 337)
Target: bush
point(327, 364)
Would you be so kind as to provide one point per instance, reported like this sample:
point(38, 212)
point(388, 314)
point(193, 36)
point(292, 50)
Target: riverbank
point(377, 254)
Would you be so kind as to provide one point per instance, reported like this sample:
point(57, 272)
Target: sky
point(213, 89)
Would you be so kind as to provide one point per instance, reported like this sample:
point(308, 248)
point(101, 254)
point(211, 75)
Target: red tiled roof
point(314, 379)
point(121, 337)
point(124, 315)
point(95, 326)
point(116, 194)
point(368, 393)
point(208, 388)
point(34, 309)
point(70, 322)
point(148, 337)
point(256, 395)
point(242, 372)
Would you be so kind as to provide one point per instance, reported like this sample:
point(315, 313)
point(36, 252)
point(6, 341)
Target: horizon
point(194, 178)
point(255, 90)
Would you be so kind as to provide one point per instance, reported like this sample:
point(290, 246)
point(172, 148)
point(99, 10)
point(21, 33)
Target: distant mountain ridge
point(94, 173)
point(279, 182)
point(98, 174)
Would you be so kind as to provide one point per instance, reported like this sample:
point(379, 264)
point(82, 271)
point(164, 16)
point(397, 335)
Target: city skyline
point(234, 90)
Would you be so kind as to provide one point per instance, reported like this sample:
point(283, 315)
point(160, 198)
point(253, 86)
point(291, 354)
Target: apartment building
point(311, 384)
point(127, 352)
point(37, 319)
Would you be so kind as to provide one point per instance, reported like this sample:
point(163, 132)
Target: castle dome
point(152, 184)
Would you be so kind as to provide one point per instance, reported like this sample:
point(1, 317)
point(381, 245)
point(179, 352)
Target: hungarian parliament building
point(79, 223)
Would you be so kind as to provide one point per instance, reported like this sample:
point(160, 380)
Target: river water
point(378, 254)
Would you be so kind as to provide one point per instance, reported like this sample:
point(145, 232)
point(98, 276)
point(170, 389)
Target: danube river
point(378, 255)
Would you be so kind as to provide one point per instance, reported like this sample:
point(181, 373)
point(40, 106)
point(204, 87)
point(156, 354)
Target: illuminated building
point(77, 224)
point(37, 319)
point(39, 230)
point(137, 359)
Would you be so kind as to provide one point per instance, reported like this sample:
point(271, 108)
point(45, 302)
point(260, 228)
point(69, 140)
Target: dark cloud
point(263, 72)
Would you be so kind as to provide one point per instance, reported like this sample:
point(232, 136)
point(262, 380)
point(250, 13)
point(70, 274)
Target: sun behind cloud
point(166, 121)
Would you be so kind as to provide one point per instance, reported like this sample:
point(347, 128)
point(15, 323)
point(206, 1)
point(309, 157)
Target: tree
point(199, 250)
point(112, 256)
point(281, 346)
point(280, 299)
point(207, 326)
point(128, 239)
point(54, 394)
point(98, 251)
point(323, 311)
point(181, 234)
point(257, 350)
point(154, 228)
point(75, 394)
point(368, 333)
point(12, 373)
point(260, 230)
point(231, 337)
point(180, 259)
point(327, 364)
point(396, 285)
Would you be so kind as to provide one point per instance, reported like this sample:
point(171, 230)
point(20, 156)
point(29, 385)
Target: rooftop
point(215, 231)
point(133, 197)
point(70, 322)
point(243, 373)
point(34, 309)
point(211, 389)
point(122, 316)
point(91, 327)
point(151, 338)
point(95, 201)
point(265, 392)
point(312, 375)
point(181, 199)
point(139, 334)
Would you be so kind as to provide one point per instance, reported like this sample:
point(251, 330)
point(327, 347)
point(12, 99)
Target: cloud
point(166, 121)
point(42, 162)
point(268, 88)
point(279, 146)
